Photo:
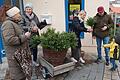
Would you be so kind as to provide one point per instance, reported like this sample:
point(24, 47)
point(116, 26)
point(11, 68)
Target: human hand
point(93, 37)
point(27, 34)
point(34, 29)
point(104, 28)
point(89, 29)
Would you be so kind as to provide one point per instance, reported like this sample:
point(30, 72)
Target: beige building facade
point(57, 10)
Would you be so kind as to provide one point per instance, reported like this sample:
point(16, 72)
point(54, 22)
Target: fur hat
point(11, 12)
point(29, 5)
point(100, 9)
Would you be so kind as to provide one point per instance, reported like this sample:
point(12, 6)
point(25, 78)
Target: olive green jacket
point(100, 22)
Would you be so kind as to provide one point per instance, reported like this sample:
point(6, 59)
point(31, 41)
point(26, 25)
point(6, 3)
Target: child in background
point(113, 53)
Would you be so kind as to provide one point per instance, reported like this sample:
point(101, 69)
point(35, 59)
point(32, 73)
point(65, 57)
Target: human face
point(83, 15)
point(101, 14)
point(28, 10)
point(17, 17)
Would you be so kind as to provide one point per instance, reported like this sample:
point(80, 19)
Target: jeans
point(34, 53)
point(99, 45)
point(114, 65)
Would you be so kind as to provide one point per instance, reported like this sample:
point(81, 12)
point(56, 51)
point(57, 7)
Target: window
point(74, 1)
point(13, 3)
point(18, 3)
point(73, 5)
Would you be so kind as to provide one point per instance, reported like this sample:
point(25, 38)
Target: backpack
point(116, 54)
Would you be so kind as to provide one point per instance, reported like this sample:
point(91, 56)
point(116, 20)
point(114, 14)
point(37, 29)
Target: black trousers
point(34, 53)
point(75, 53)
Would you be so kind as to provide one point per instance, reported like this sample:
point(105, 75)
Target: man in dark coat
point(103, 23)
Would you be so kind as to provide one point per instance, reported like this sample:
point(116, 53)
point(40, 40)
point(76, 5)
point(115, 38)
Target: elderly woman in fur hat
point(31, 23)
point(14, 38)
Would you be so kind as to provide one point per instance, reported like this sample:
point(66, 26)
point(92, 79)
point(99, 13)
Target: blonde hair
point(82, 12)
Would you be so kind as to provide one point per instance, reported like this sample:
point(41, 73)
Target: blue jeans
point(114, 65)
point(99, 45)
point(34, 53)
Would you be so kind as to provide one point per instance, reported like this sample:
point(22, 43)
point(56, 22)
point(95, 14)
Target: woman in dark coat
point(31, 23)
point(78, 27)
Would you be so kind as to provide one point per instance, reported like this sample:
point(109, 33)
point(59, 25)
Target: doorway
point(71, 5)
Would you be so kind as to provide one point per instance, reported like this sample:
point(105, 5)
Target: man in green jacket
point(103, 23)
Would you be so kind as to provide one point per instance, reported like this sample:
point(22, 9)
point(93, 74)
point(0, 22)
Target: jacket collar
point(100, 15)
point(81, 20)
point(11, 19)
point(28, 17)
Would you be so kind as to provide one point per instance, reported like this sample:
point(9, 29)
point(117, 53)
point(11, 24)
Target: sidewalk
point(111, 75)
point(91, 71)
point(3, 68)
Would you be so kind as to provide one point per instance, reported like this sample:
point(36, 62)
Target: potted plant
point(90, 22)
point(55, 45)
point(34, 41)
